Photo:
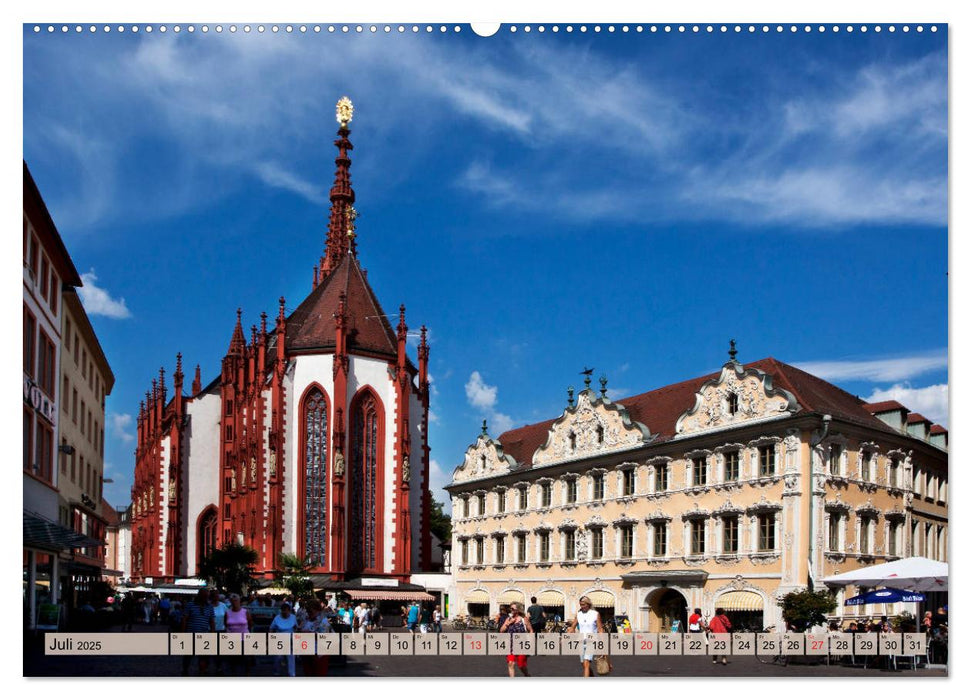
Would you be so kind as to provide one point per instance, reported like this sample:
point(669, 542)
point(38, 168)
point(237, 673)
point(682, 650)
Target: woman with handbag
point(587, 621)
point(515, 623)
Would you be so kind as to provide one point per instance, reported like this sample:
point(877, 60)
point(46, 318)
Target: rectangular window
point(699, 471)
point(63, 457)
point(74, 473)
point(65, 393)
point(767, 460)
point(500, 550)
point(570, 545)
point(894, 472)
point(482, 504)
point(627, 541)
point(227, 484)
point(661, 478)
point(865, 535)
point(465, 551)
point(501, 502)
point(730, 535)
point(629, 482)
point(84, 364)
point(865, 458)
point(30, 342)
point(465, 506)
point(834, 532)
point(45, 369)
point(892, 540)
point(544, 546)
point(67, 334)
point(660, 539)
point(480, 550)
point(54, 292)
point(571, 491)
point(731, 466)
point(523, 498)
point(767, 532)
point(77, 348)
point(28, 439)
point(697, 536)
point(598, 487)
point(44, 270)
point(546, 494)
point(45, 452)
point(597, 543)
point(74, 406)
point(521, 549)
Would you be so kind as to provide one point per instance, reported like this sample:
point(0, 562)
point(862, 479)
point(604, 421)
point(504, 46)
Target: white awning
point(478, 596)
point(739, 601)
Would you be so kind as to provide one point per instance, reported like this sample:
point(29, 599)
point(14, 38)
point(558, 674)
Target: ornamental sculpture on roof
point(345, 111)
point(483, 458)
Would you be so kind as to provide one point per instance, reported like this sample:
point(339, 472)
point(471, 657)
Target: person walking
point(198, 617)
point(437, 619)
point(516, 623)
point(238, 621)
point(413, 617)
point(720, 624)
point(587, 621)
point(536, 615)
point(219, 609)
point(315, 621)
point(285, 622)
point(425, 619)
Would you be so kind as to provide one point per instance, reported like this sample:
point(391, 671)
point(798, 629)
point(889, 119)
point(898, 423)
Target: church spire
point(340, 228)
point(238, 343)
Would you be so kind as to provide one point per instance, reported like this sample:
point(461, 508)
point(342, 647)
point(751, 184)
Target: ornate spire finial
point(197, 381)
point(345, 111)
point(603, 386)
point(587, 373)
point(282, 315)
point(732, 352)
point(339, 242)
point(485, 427)
point(569, 396)
point(263, 323)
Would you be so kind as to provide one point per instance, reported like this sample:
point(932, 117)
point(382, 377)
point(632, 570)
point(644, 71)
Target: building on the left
point(66, 380)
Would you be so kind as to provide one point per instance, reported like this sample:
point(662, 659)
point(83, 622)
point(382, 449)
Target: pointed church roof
point(237, 344)
point(312, 326)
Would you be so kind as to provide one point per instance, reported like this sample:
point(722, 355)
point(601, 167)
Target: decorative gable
point(594, 426)
point(737, 397)
point(484, 458)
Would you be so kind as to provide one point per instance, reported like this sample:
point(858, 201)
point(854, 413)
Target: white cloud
point(891, 369)
point(480, 394)
point(274, 175)
point(98, 302)
point(929, 401)
point(120, 423)
point(499, 423)
point(437, 478)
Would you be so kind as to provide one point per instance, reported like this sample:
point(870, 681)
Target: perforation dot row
point(401, 29)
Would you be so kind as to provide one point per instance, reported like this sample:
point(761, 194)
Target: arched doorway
point(206, 534)
point(667, 605)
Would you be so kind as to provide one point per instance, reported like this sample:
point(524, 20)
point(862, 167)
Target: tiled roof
point(311, 325)
point(660, 409)
point(916, 418)
point(884, 406)
point(938, 430)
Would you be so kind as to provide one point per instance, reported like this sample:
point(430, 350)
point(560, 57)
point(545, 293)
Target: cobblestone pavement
point(39, 665)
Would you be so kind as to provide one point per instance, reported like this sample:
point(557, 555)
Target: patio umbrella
point(913, 573)
point(886, 595)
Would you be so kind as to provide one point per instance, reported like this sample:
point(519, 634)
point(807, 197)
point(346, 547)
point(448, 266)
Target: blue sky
point(542, 202)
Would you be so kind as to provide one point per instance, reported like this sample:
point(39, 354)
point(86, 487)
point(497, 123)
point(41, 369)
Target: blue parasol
point(886, 595)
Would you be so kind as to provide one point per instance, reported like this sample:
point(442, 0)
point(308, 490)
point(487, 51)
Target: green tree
point(804, 609)
point(440, 522)
point(294, 574)
point(230, 567)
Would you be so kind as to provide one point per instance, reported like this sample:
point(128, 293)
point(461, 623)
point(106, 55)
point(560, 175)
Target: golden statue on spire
point(351, 219)
point(345, 111)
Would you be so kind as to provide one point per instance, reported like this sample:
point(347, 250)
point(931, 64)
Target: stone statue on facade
point(272, 464)
point(338, 463)
point(405, 470)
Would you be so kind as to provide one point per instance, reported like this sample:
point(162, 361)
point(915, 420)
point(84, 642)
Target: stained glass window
point(315, 477)
point(364, 476)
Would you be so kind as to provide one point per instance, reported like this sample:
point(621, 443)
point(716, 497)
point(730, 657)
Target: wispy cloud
point(120, 424)
point(274, 175)
point(929, 401)
point(891, 369)
point(98, 302)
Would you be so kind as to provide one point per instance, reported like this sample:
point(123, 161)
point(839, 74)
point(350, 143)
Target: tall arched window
point(363, 547)
point(315, 476)
point(208, 522)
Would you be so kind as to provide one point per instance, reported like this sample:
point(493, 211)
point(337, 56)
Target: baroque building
point(727, 490)
point(311, 440)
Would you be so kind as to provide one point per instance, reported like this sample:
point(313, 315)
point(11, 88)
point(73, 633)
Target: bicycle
point(779, 658)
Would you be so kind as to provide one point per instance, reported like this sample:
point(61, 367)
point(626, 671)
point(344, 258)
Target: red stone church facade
point(311, 440)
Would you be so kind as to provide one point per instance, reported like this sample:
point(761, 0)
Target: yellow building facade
point(728, 490)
